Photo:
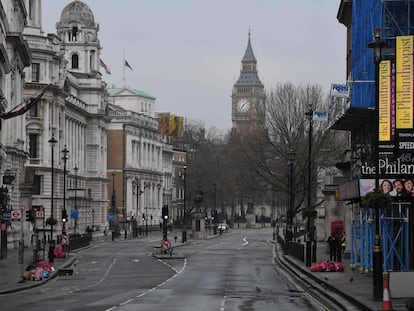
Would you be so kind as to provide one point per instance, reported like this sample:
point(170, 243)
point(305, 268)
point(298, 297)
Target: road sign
point(74, 214)
point(165, 245)
point(15, 214)
point(6, 215)
point(39, 214)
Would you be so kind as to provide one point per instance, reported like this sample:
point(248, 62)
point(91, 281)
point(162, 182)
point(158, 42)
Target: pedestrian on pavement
point(106, 234)
point(64, 241)
point(343, 244)
point(333, 247)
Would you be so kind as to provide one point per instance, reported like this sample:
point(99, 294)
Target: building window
point(37, 180)
point(35, 72)
point(34, 111)
point(33, 140)
point(75, 33)
point(75, 61)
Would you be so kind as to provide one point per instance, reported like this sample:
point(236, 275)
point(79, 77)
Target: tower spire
point(249, 55)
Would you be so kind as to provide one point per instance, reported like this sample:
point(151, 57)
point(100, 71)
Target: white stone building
point(73, 112)
point(139, 158)
point(14, 57)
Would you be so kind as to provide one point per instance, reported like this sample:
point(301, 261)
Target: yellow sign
point(385, 93)
point(404, 82)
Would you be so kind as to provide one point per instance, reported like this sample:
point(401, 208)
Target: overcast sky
point(187, 53)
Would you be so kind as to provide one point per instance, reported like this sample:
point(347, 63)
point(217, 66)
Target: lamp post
point(65, 152)
point(76, 169)
point(113, 201)
point(215, 203)
point(184, 233)
point(291, 159)
point(93, 219)
point(310, 238)
point(273, 218)
point(52, 143)
point(377, 45)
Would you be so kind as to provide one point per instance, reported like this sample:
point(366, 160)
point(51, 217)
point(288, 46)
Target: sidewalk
point(11, 279)
point(351, 284)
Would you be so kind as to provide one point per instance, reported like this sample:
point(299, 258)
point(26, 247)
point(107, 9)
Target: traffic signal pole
point(164, 219)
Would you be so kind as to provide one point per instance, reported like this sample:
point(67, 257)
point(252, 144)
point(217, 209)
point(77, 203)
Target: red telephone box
point(337, 227)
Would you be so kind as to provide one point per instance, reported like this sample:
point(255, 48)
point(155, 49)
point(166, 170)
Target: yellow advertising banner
point(163, 123)
point(176, 126)
point(404, 82)
point(385, 93)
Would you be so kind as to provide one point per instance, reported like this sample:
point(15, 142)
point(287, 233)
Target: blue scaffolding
point(394, 231)
point(395, 237)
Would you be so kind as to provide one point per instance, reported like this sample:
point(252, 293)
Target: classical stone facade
point(14, 58)
point(139, 159)
point(72, 111)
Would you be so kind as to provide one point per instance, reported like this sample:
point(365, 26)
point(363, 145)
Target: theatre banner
point(404, 81)
point(396, 132)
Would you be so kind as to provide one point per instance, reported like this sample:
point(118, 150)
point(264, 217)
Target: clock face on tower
point(243, 105)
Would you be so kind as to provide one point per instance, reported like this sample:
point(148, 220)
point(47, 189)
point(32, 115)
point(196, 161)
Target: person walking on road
point(333, 247)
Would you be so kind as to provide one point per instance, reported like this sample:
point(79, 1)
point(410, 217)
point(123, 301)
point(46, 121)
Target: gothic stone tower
point(248, 96)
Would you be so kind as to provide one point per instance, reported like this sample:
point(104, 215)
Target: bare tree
point(266, 147)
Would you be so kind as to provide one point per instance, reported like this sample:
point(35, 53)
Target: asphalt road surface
point(231, 272)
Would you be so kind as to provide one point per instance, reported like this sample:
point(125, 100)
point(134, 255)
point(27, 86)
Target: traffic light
point(165, 212)
point(29, 215)
point(64, 216)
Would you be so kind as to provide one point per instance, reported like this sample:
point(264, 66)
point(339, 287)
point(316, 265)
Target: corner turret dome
point(77, 11)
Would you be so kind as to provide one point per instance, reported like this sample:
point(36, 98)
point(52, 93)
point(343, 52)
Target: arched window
point(75, 61)
point(75, 33)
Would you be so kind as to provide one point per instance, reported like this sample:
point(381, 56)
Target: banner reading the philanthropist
point(404, 82)
point(385, 115)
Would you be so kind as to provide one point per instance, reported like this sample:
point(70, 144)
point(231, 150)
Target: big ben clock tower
point(248, 96)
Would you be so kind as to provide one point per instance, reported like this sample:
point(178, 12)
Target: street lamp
point(65, 152)
point(310, 209)
point(291, 160)
point(113, 200)
point(76, 169)
point(52, 143)
point(184, 233)
point(377, 45)
point(93, 219)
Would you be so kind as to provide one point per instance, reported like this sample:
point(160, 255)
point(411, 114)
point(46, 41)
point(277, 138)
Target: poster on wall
point(395, 187)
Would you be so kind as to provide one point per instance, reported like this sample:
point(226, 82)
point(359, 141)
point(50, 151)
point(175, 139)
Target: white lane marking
point(152, 289)
point(125, 302)
point(136, 260)
point(244, 244)
point(107, 272)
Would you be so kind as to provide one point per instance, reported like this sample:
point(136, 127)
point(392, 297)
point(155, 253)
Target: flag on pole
point(24, 109)
point(320, 116)
point(127, 64)
point(105, 66)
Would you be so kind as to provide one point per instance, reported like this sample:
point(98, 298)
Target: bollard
point(126, 234)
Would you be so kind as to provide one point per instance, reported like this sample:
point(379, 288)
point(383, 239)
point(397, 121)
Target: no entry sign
point(15, 214)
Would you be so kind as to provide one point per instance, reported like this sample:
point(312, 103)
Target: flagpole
point(123, 71)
